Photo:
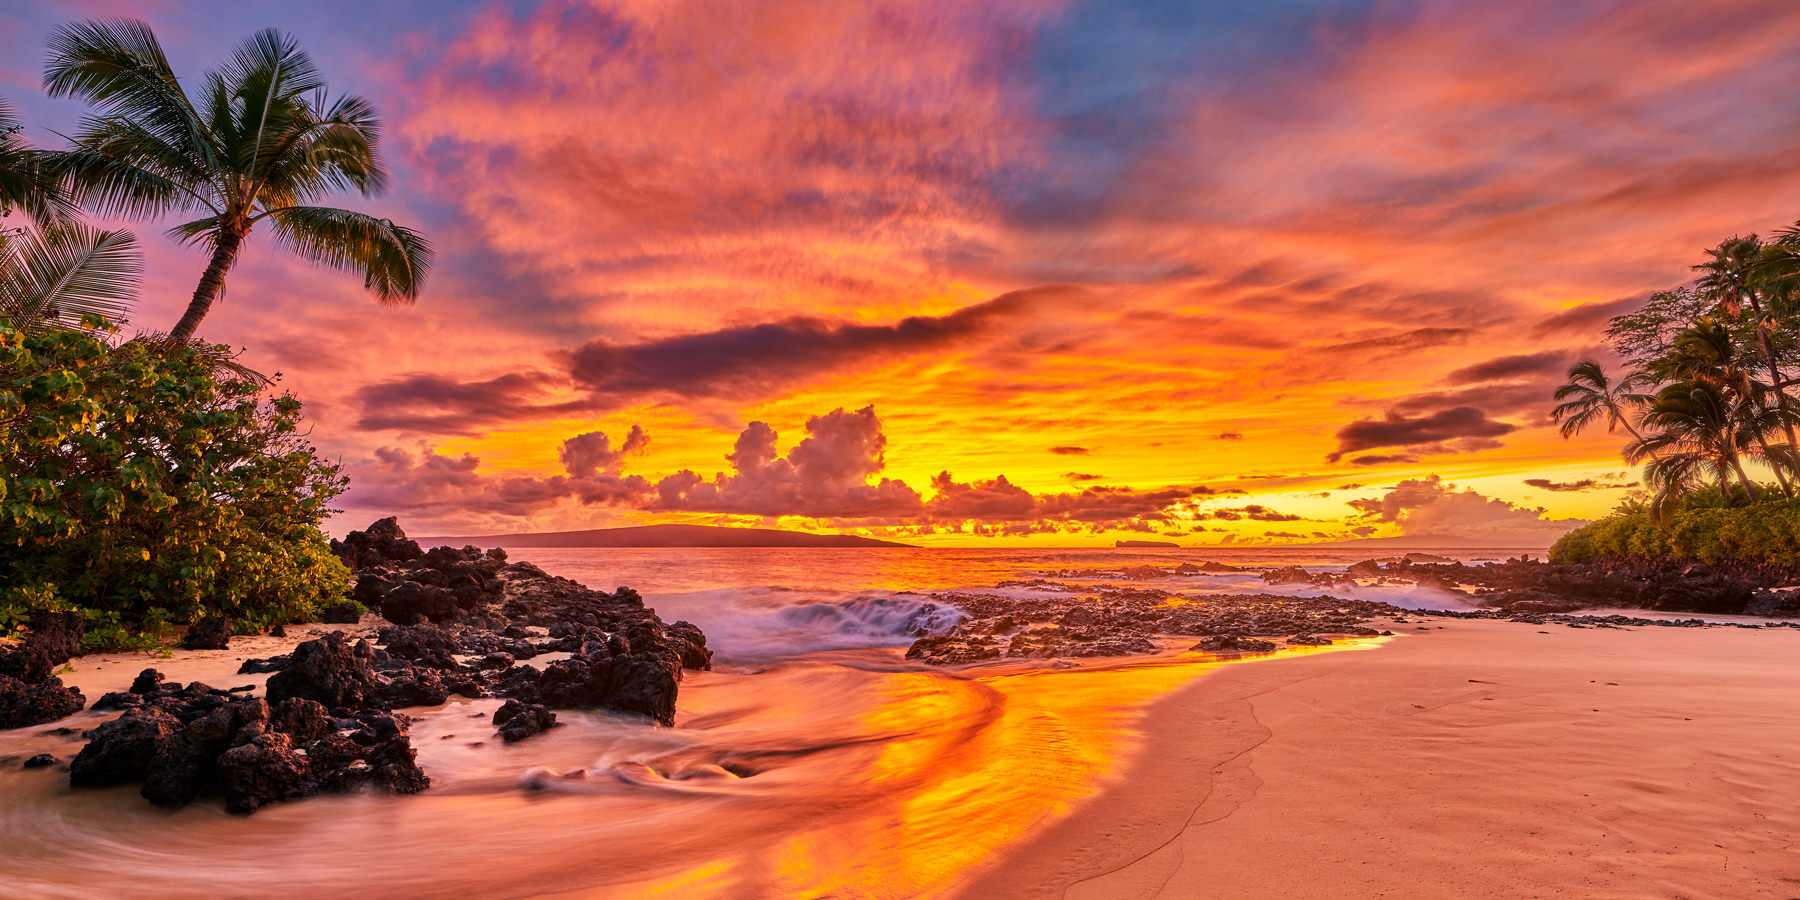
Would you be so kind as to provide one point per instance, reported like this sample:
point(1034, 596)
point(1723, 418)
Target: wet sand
point(1474, 759)
point(1471, 758)
point(865, 777)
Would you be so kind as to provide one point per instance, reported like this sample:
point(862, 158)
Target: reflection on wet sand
point(843, 773)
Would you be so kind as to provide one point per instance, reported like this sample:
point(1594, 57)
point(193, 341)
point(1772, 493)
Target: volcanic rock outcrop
point(30, 691)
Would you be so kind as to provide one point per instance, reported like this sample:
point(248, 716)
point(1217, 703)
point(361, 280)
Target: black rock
point(345, 613)
point(518, 721)
point(409, 602)
point(40, 761)
point(329, 670)
point(210, 633)
point(54, 639)
point(263, 771)
point(121, 750)
point(23, 704)
point(1231, 643)
point(254, 666)
point(146, 681)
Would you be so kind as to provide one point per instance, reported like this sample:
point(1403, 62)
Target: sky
point(1036, 273)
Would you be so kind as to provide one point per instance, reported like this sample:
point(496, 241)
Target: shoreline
point(1596, 762)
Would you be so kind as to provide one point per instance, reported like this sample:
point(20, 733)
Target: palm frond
point(59, 276)
point(393, 260)
point(116, 187)
point(314, 155)
point(26, 182)
point(119, 66)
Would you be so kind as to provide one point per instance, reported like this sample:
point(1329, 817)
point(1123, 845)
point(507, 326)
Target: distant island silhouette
point(664, 536)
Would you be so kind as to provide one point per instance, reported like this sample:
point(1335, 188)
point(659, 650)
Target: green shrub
point(1769, 530)
point(150, 484)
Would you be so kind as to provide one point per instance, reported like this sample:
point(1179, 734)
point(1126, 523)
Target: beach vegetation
point(1702, 400)
point(149, 483)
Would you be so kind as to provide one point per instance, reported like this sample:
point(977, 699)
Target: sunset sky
point(995, 274)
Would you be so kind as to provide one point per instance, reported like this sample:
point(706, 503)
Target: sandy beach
point(1472, 759)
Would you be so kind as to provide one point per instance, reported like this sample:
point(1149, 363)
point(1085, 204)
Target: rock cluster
point(448, 602)
point(1532, 586)
point(1122, 621)
point(186, 741)
point(463, 622)
point(30, 691)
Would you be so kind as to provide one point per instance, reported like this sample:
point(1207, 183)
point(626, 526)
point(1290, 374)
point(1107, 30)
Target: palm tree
point(26, 183)
point(1707, 352)
point(261, 142)
point(58, 276)
point(1729, 281)
point(1591, 396)
point(1697, 430)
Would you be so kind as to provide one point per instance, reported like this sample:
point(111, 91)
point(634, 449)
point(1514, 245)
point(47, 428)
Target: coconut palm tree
point(58, 276)
point(1729, 280)
point(1708, 352)
point(26, 182)
point(259, 143)
point(1591, 396)
point(1696, 430)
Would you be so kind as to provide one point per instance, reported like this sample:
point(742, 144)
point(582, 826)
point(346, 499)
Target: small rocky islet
point(463, 620)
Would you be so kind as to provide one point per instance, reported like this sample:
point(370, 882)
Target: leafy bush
point(150, 484)
point(1704, 531)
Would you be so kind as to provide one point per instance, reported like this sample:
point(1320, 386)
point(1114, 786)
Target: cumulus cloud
point(1432, 509)
point(423, 481)
point(1459, 429)
point(826, 474)
point(587, 455)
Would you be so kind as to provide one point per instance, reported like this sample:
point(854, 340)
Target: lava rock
point(54, 638)
point(23, 704)
point(210, 633)
point(518, 721)
point(263, 771)
point(121, 750)
point(345, 613)
point(410, 601)
point(1231, 643)
point(330, 670)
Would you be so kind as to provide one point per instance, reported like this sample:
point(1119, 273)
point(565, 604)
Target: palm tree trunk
point(1781, 398)
point(1787, 490)
point(212, 281)
point(1749, 488)
point(1634, 433)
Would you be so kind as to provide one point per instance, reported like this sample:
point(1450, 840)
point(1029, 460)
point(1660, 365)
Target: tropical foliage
point(1708, 527)
point(55, 270)
point(260, 143)
point(147, 485)
point(1704, 400)
point(27, 183)
point(63, 274)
